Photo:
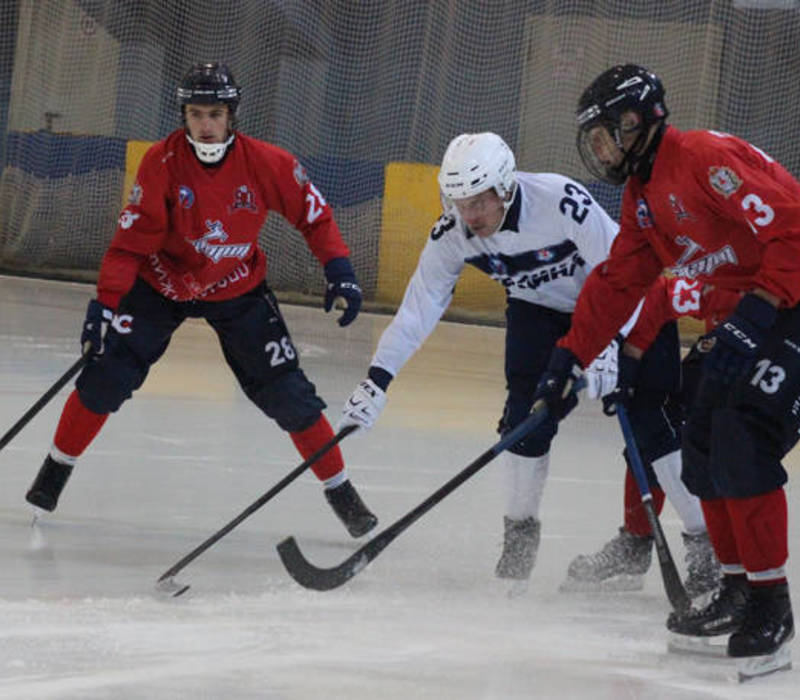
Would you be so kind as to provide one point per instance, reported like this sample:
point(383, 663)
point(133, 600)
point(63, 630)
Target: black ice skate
point(703, 568)
point(619, 566)
point(350, 509)
point(520, 545)
point(762, 641)
point(699, 630)
point(49, 484)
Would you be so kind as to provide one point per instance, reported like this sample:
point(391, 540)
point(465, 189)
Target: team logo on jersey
point(706, 265)
point(243, 198)
point(185, 196)
point(127, 218)
point(643, 216)
point(497, 266)
point(544, 255)
point(300, 174)
point(135, 197)
point(217, 251)
point(691, 246)
point(678, 209)
point(724, 180)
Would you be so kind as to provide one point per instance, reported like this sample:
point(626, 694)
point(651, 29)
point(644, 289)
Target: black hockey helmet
point(620, 89)
point(209, 83)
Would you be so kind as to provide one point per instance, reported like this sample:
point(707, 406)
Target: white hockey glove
point(601, 374)
point(363, 407)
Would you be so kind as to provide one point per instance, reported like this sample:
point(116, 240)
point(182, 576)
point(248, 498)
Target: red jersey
point(671, 298)
point(191, 231)
point(715, 209)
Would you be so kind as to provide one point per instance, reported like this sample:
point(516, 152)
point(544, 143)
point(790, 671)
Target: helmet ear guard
point(474, 163)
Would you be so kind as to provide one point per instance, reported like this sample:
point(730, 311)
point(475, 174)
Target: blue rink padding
point(43, 154)
point(51, 156)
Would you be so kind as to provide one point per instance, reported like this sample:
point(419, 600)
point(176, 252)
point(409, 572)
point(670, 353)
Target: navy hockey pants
point(254, 340)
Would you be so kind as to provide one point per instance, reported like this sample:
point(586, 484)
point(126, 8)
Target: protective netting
point(349, 87)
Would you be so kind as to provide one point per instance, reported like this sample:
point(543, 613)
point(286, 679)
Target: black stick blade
point(313, 577)
point(168, 586)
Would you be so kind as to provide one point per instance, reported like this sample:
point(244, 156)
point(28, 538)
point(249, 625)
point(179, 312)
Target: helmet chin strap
point(210, 153)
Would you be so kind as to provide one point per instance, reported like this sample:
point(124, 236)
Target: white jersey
point(552, 236)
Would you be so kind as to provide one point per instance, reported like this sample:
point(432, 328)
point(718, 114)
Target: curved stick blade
point(314, 577)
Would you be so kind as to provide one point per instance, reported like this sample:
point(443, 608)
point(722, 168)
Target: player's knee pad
point(106, 383)
point(537, 442)
point(290, 399)
point(746, 453)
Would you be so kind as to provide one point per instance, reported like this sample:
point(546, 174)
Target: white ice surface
point(79, 617)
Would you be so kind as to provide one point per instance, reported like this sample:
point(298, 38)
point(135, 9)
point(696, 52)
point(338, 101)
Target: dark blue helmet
point(209, 83)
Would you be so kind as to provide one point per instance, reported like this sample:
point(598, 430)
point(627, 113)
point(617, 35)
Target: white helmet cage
point(474, 163)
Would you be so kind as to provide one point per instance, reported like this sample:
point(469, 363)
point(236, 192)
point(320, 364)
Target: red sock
point(308, 441)
point(720, 531)
point(635, 518)
point(77, 427)
point(761, 531)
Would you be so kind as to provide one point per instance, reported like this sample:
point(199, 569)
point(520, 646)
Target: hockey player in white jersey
point(539, 235)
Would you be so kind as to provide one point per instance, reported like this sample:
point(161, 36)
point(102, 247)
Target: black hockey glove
point(342, 283)
point(555, 385)
point(627, 373)
point(98, 316)
point(738, 339)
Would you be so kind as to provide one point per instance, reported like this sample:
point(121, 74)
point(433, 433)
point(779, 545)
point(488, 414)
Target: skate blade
point(756, 666)
point(169, 587)
point(716, 647)
point(616, 584)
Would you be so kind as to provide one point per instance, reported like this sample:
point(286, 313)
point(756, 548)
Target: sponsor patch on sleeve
point(300, 174)
point(724, 180)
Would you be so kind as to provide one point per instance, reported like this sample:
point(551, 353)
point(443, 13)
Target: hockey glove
point(555, 386)
point(342, 283)
point(738, 339)
point(626, 384)
point(363, 407)
point(601, 374)
point(98, 316)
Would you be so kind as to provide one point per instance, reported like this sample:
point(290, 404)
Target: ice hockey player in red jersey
point(711, 207)
point(186, 246)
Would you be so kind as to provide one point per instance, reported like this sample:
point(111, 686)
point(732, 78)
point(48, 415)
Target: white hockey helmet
point(474, 163)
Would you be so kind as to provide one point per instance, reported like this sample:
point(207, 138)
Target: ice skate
point(350, 509)
point(703, 630)
point(49, 484)
point(702, 566)
point(520, 545)
point(619, 566)
point(762, 642)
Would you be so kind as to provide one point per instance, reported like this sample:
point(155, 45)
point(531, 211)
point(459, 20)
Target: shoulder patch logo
point(135, 197)
point(300, 174)
point(724, 180)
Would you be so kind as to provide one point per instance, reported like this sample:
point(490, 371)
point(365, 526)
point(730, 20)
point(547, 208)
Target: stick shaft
point(43, 400)
point(255, 505)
